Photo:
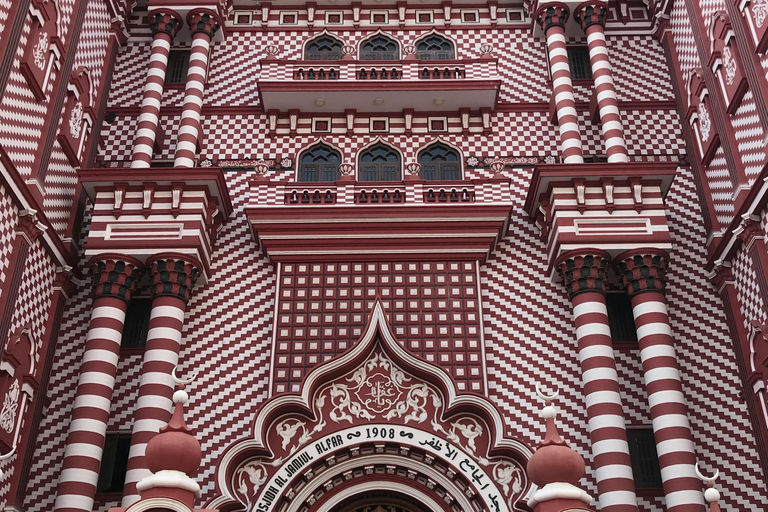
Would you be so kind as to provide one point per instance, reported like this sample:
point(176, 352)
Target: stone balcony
point(378, 86)
point(396, 220)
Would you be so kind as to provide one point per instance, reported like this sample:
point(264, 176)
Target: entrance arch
point(374, 418)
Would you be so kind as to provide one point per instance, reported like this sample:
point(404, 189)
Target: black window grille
point(136, 323)
point(440, 162)
point(323, 48)
point(319, 163)
point(645, 460)
point(435, 47)
point(379, 47)
point(578, 61)
point(620, 317)
point(178, 65)
point(114, 463)
point(380, 163)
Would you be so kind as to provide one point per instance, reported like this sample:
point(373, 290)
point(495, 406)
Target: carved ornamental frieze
point(699, 116)
point(725, 61)
point(377, 417)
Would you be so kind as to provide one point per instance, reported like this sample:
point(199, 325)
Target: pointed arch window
point(379, 47)
point(380, 163)
point(435, 47)
point(319, 163)
point(324, 47)
point(440, 162)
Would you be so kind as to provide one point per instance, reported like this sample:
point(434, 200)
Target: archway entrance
point(381, 501)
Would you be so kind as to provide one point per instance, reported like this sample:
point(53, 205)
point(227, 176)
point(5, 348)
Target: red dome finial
point(174, 448)
point(554, 461)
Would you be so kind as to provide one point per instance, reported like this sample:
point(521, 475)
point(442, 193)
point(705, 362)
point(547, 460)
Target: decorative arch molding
point(375, 141)
point(699, 116)
point(300, 153)
point(324, 33)
point(440, 140)
point(379, 32)
point(725, 61)
point(440, 34)
point(376, 398)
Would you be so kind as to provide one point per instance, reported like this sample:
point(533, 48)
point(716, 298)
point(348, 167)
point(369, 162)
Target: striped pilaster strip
point(144, 141)
point(605, 412)
point(88, 427)
point(189, 130)
point(643, 274)
point(674, 442)
point(583, 273)
point(592, 19)
point(156, 386)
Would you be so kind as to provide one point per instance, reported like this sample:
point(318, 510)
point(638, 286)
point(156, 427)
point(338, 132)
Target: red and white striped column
point(173, 278)
point(591, 17)
point(552, 19)
point(583, 274)
point(114, 279)
point(203, 25)
point(165, 25)
point(642, 272)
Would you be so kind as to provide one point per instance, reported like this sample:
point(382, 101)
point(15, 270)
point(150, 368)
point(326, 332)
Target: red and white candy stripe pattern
point(189, 131)
point(85, 441)
point(153, 406)
point(674, 444)
point(570, 139)
point(144, 141)
point(607, 104)
point(607, 431)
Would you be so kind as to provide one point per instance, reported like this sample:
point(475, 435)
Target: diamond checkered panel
point(591, 138)
point(126, 391)
point(751, 301)
point(708, 7)
point(9, 218)
point(126, 89)
point(749, 134)
point(5, 7)
point(653, 132)
point(639, 69)
point(21, 115)
point(31, 311)
point(701, 340)
point(60, 183)
point(66, 10)
point(94, 36)
point(49, 450)
point(432, 306)
point(682, 36)
point(720, 187)
point(118, 139)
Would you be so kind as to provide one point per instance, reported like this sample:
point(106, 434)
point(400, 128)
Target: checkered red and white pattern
point(750, 135)
point(9, 218)
point(720, 187)
point(94, 37)
point(60, 183)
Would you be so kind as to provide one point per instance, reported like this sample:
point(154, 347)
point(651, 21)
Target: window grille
point(380, 163)
point(440, 162)
point(578, 61)
point(319, 163)
point(379, 48)
point(620, 317)
point(645, 460)
point(435, 47)
point(136, 323)
point(114, 462)
point(323, 48)
point(178, 65)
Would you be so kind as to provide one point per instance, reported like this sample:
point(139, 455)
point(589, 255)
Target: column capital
point(583, 270)
point(642, 270)
point(29, 226)
point(165, 21)
point(63, 281)
point(174, 275)
point(591, 13)
point(203, 21)
point(552, 15)
point(115, 276)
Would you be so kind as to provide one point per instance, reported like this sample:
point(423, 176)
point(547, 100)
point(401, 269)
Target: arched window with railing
point(319, 163)
point(440, 162)
point(324, 47)
point(435, 47)
point(380, 163)
point(379, 47)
